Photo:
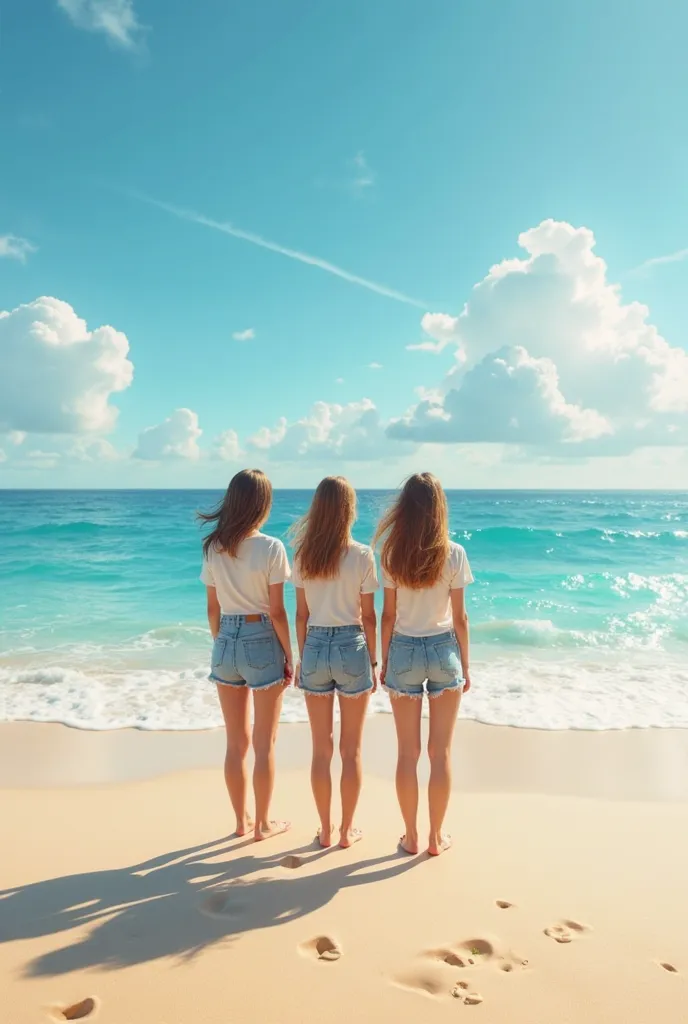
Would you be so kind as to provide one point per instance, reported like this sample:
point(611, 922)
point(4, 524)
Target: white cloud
point(549, 354)
point(15, 248)
point(442, 328)
point(114, 18)
point(56, 376)
point(227, 447)
point(247, 335)
point(174, 438)
point(17, 437)
point(352, 432)
point(374, 366)
point(363, 174)
point(339, 380)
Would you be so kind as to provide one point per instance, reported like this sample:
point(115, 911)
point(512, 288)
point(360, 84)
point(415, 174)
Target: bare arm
point(214, 612)
point(302, 615)
point(460, 617)
point(389, 618)
point(369, 620)
point(280, 622)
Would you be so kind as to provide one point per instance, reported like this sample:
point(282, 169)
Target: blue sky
point(409, 143)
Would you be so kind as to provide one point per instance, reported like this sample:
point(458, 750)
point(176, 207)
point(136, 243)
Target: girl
point(424, 639)
point(244, 572)
point(336, 628)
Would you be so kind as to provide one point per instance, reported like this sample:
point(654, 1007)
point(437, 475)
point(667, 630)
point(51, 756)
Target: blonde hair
point(415, 534)
point(322, 536)
point(245, 507)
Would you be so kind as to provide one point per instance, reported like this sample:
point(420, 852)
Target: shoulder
point(457, 554)
point(362, 551)
point(272, 545)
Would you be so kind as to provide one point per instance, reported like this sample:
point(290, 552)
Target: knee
point(438, 754)
point(263, 746)
point(237, 747)
point(409, 756)
point(350, 754)
point(323, 753)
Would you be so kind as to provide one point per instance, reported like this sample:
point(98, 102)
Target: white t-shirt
point(337, 601)
point(428, 612)
point(242, 582)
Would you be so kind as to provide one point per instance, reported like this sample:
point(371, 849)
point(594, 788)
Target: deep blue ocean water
point(579, 612)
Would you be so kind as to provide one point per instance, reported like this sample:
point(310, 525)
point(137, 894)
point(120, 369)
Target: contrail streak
point(292, 254)
point(657, 261)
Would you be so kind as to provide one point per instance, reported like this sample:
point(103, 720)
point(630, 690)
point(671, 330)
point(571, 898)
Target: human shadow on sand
point(177, 904)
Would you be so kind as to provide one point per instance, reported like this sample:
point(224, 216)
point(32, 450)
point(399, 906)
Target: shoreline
point(646, 765)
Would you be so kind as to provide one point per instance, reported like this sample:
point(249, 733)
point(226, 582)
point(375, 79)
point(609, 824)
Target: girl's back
point(336, 601)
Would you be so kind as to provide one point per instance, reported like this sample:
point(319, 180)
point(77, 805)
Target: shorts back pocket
point(259, 653)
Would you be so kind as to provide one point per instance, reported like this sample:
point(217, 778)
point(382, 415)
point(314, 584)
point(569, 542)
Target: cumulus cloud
point(56, 376)
point(549, 354)
point(174, 438)
point(227, 447)
point(15, 248)
point(17, 437)
point(441, 328)
point(114, 18)
point(247, 335)
point(352, 432)
point(374, 366)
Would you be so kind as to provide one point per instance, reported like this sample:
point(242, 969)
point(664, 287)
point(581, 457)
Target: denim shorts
point(247, 653)
point(336, 658)
point(414, 660)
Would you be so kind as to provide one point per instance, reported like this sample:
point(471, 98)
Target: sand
point(122, 895)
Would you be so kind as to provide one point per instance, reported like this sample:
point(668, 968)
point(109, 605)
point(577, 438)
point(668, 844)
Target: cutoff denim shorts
point(247, 654)
point(336, 658)
point(414, 660)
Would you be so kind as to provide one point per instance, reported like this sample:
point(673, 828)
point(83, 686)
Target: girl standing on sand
point(336, 628)
point(424, 640)
point(244, 572)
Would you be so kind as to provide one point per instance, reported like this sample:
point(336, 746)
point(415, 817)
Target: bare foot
point(348, 838)
point(439, 843)
point(244, 826)
point(324, 837)
point(409, 844)
point(269, 829)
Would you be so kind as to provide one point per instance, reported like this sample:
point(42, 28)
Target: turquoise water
point(579, 612)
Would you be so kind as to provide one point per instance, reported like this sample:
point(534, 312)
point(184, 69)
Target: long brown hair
point(416, 534)
point(244, 508)
point(322, 536)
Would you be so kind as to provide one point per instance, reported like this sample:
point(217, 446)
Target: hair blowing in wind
point(415, 534)
point(244, 508)
point(322, 536)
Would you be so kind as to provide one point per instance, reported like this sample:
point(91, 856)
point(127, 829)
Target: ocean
point(579, 612)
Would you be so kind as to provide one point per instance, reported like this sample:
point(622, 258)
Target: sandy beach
point(563, 899)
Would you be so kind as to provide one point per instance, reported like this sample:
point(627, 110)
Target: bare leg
point(234, 704)
point(443, 712)
point(267, 705)
point(407, 720)
point(320, 713)
point(352, 711)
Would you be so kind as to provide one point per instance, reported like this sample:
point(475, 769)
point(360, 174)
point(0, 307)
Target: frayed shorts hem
point(254, 687)
point(335, 690)
point(394, 692)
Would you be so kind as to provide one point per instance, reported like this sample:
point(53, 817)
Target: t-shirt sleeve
point(296, 577)
point(387, 582)
point(207, 573)
point(462, 574)
point(278, 565)
point(369, 583)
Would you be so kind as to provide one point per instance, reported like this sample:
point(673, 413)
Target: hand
point(383, 673)
point(466, 681)
point(376, 678)
point(288, 672)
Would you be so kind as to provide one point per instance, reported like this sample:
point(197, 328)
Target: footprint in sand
point(291, 861)
point(504, 905)
point(566, 931)
point(669, 967)
point(466, 994)
point(222, 904)
point(476, 952)
point(77, 1011)
point(322, 947)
